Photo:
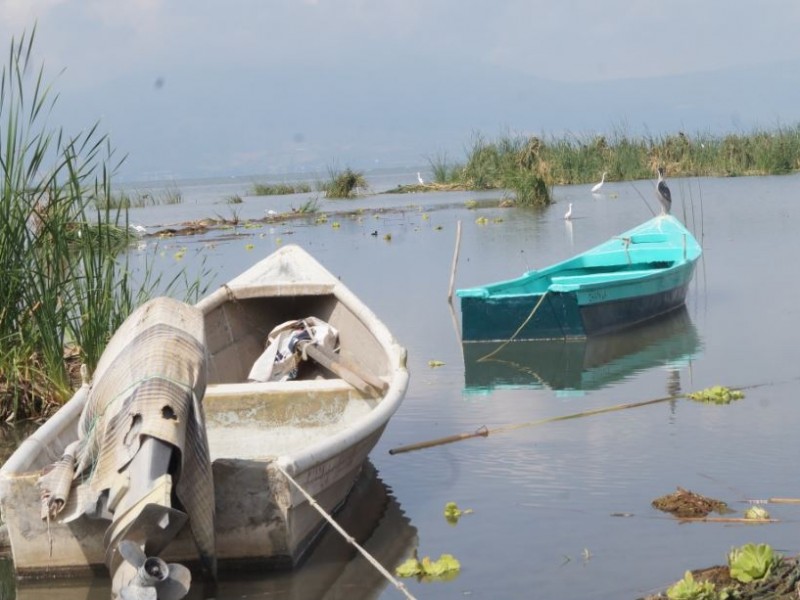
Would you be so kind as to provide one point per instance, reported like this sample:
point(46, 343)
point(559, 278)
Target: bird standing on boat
point(664, 195)
point(568, 214)
point(597, 186)
point(420, 179)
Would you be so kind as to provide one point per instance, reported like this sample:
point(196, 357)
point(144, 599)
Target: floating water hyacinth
point(453, 513)
point(443, 569)
point(756, 513)
point(717, 394)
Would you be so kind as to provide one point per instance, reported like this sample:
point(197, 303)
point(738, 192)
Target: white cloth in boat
point(150, 381)
point(281, 360)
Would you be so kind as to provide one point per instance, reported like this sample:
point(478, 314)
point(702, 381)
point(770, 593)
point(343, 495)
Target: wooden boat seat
point(267, 419)
point(227, 395)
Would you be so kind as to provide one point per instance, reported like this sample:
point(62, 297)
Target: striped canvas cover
point(150, 381)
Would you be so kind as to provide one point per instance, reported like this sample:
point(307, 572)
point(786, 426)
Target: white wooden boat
point(372, 515)
point(317, 429)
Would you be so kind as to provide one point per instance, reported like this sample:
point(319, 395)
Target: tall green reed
point(65, 283)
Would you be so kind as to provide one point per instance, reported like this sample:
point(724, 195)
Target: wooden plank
point(363, 382)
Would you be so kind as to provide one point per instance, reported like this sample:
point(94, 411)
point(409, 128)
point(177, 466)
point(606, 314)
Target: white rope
point(350, 540)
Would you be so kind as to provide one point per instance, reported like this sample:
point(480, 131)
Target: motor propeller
point(154, 579)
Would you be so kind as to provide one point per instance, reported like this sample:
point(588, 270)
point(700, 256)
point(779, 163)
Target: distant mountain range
point(236, 122)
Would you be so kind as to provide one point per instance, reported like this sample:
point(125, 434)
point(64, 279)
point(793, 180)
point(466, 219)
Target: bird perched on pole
point(664, 195)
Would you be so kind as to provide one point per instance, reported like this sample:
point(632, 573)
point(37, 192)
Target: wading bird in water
point(664, 195)
point(568, 214)
point(597, 186)
point(420, 179)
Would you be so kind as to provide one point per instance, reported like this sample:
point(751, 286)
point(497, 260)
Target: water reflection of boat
point(586, 364)
point(334, 569)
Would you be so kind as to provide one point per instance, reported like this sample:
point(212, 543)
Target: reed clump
point(344, 184)
point(65, 281)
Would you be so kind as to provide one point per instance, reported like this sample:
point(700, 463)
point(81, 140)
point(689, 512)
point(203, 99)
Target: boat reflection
point(334, 569)
point(581, 365)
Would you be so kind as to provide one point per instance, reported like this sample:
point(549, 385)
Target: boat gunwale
point(689, 253)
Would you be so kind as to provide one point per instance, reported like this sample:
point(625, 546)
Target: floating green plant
point(717, 394)
point(756, 513)
point(689, 589)
point(435, 363)
point(443, 569)
point(752, 562)
point(453, 513)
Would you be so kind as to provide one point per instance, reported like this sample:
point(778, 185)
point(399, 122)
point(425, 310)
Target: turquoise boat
point(627, 280)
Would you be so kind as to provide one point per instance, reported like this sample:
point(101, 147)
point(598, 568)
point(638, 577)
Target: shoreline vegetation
point(65, 278)
point(66, 283)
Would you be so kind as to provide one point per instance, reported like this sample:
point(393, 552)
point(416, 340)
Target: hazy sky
point(192, 87)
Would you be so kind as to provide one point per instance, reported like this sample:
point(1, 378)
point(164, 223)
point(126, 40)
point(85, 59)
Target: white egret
point(139, 229)
point(597, 186)
point(568, 214)
point(420, 179)
point(664, 195)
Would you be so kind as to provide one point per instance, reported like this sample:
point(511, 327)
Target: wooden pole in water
point(455, 262)
point(480, 432)
point(484, 431)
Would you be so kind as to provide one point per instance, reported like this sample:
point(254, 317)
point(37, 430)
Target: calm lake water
point(546, 499)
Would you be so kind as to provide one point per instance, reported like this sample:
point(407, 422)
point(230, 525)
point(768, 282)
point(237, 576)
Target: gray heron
point(664, 195)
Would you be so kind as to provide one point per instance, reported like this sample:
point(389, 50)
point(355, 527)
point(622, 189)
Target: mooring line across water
point(348, 538)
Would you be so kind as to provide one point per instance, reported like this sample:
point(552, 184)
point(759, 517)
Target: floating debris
point(686, 504)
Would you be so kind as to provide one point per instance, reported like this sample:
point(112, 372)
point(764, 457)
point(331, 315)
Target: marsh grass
point(65, 283)
point(279, 189)
point(444, 172)
point(344, 184)
point(140, 198)
point(529, 166)
point(310, 206)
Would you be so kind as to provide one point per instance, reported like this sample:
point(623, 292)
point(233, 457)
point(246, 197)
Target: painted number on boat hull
point(595, 296)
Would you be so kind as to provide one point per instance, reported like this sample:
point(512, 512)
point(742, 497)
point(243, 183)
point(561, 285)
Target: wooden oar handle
point(366, 383)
